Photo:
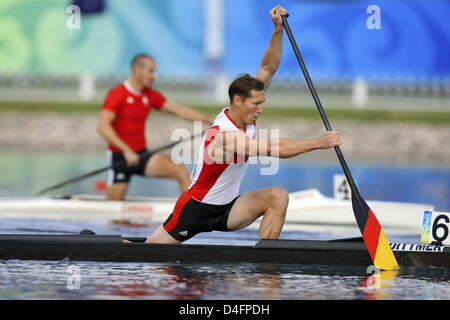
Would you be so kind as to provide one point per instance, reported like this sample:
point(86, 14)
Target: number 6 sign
point(435, 227)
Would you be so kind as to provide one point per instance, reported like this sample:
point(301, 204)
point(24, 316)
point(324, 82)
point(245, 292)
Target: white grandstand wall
point(344, 92)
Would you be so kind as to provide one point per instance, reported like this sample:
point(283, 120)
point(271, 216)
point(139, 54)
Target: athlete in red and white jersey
point(122, 125)
point(217, 182)
point(212, 202)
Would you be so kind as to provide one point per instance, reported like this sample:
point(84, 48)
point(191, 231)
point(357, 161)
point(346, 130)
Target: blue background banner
point(413, 42)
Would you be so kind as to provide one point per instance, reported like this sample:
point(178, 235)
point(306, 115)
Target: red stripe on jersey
point(175, 217)
point(211, 170)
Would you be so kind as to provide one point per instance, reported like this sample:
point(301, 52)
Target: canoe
point(112, 248)
point(308, 210)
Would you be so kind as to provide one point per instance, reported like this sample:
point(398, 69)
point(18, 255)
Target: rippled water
point(57, 280)
point(242, 281)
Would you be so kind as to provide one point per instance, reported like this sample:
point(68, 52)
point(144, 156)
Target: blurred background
point(200, 45)
point(383, 74)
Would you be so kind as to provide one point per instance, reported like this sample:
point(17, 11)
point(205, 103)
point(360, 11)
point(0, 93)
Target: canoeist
point(212, 201)
point(122, 125)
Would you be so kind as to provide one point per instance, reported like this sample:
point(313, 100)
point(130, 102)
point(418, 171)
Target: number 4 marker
point(341, 187)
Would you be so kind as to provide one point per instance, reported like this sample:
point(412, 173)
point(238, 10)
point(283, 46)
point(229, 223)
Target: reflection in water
point(162, 282)
point(49, 280)
point(408, 283)
point(377, 282)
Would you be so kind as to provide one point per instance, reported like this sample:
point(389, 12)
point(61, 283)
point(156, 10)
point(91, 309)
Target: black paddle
point(373, 235)
point(115, 166)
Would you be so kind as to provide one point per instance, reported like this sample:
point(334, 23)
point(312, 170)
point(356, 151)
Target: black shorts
point(121, 173)
point(191, 217)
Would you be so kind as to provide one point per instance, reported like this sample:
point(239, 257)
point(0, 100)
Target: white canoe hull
point(311, 208)
point(308, 210)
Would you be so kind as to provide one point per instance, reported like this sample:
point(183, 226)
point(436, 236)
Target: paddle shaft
point(115, 166)
point(318, 103)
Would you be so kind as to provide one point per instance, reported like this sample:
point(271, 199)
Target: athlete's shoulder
point(219, 117)
point(115, 98)
point(224, 122)
point(156, 98)
point(152, 92)
point(118, 91)
point(119, 88)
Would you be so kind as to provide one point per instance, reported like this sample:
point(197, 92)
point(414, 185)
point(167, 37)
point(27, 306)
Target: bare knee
point(181, 172)
point(116, 192)
point(278, 200)
point(177, 171)
point(279, 197)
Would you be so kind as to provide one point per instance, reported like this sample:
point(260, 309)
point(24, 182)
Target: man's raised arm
point(272, 56)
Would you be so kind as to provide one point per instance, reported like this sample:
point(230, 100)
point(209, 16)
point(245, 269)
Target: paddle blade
point(373, 235)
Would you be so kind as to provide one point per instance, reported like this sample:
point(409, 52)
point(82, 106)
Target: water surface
point(24, 174)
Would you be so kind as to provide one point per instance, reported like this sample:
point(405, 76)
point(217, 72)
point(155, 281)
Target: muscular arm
point(287, 148)
point(185, 112)
point(228, 143)
point(109, 134)
point(272, 56)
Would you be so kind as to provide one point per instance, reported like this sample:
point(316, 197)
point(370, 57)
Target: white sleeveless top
point(213, 182)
